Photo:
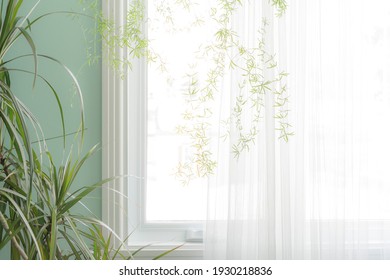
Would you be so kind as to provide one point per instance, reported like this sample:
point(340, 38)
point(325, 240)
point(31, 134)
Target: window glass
point(176, 32)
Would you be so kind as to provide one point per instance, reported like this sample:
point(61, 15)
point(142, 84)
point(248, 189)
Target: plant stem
point(3, 220)
point(15, 243)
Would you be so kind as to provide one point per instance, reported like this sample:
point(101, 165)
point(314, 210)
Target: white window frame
point(124, 108)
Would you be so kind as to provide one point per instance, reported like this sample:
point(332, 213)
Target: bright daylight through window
point(176, 33)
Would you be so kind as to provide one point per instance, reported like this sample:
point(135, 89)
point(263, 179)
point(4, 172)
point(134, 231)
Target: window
point(140, 116)
point(317, 192)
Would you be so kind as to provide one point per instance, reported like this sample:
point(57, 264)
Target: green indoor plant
point(36, 200)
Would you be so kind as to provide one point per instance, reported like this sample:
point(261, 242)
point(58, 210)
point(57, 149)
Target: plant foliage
point(37, 216)
point(228, 52)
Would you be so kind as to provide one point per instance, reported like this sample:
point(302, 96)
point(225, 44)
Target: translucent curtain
point(241, 200)
point(325, 193)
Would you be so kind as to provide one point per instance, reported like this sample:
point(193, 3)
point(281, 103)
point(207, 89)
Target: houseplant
point(36, 200)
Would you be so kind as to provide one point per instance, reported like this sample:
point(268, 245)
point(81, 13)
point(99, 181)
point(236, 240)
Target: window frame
point(124, 132)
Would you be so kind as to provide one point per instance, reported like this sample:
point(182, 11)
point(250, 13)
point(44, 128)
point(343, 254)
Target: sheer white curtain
point(325, 194)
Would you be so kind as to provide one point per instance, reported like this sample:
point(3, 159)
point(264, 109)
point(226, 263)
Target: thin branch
point(15, 243)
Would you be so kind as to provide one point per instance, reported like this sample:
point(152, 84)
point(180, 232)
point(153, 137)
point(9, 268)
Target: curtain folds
point(324, 194)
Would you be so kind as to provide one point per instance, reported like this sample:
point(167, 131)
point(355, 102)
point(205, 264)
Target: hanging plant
point(252, 62)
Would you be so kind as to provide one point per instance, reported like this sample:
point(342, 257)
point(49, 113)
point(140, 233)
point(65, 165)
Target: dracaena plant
point(37, 220)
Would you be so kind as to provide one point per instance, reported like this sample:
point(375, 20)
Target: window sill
point(188, 251)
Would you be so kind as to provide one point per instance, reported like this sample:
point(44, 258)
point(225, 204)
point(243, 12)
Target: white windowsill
point(188, 251)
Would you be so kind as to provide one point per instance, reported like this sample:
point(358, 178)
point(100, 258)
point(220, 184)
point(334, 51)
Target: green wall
point(65, 38)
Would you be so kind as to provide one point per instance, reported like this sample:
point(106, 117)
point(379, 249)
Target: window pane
point(175, 32)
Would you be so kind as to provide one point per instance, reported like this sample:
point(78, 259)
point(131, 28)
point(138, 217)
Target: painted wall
point(66, 38)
